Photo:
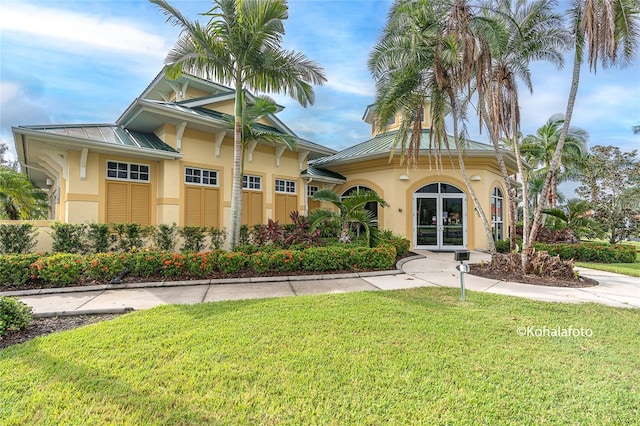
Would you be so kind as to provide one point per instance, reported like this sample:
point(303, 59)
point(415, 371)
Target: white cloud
point(80, 30)
point(8, 91)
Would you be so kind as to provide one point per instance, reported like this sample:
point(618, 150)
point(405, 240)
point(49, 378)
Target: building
point(168, 159)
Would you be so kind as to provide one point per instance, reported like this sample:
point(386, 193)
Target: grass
point(631, 269)
point(416, 356)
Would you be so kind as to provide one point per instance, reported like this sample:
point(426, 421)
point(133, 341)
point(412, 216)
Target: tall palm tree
point(240, 46)
point(540, 148)
point(431, 52)
point(350, 212)
point(607, 32)
point(524, 31)
point(19, 197)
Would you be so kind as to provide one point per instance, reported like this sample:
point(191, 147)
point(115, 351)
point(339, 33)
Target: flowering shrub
point(276, 261)
point(14, 315)
point(231, 262)
point(14, 268)
point(60, 269)
point(143, 263)
point(199, 265)
point(103, 266)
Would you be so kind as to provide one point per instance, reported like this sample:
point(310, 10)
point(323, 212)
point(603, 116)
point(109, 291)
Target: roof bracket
point(251, 148)
point(302, 156)
point(83, 163)
point(219, 139)
point(179, 133)
point(279, 151)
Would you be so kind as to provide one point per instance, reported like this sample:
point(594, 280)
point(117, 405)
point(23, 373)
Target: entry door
point(440, 222)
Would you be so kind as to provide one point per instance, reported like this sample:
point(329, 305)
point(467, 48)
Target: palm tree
point(607, 32)
point(575, 216)
point(350, 212)
point(431, 53)
point(19, 197)
point(240, 46)
point(540, 148)
point(524, 31)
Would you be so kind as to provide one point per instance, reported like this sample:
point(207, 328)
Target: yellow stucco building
point(168, 159)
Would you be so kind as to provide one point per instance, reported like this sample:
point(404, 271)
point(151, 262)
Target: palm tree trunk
point(463, 171)
point(236, 186)
point(555, 161)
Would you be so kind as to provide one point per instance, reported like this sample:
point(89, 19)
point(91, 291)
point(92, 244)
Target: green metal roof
point(319, 173)
point(106, 133)
point(383, 144)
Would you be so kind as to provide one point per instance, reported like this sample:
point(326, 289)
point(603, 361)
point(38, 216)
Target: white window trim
point(206, 185)
point(259, 180)
point(310, 189)
point(128, 178)
point(495, 218)
point(286, 183)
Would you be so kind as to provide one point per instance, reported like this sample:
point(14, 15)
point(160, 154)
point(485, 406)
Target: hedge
point(591, 252)
point(63, 269)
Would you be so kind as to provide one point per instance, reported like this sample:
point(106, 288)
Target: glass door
point(426, 222)
point(452, 222)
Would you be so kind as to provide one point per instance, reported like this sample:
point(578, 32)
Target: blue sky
point(85, 61)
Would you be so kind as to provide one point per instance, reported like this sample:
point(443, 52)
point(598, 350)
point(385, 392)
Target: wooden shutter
point(117, 202)
point(284, 205)
point(140, 203)
point(251, 208)
point(210, 207)
point(193, 206)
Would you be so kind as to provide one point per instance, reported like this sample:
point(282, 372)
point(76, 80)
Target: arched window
point(497, 214)
point(372, 206)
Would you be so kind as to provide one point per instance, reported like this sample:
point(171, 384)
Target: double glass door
point(440, 222)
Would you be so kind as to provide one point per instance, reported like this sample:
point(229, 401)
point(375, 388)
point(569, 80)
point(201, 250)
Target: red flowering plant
point(173, 265)
point(103, 266)
point(200, 265)
point(60, 269)
point(231, 262)
point(14, 268)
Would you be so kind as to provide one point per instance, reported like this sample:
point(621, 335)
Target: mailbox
point(461, 255)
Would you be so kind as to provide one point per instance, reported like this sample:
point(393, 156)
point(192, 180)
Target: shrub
point(199, 265)
point(59, 269)
point(17, 238)
point(15, 268)
point(194, 238)
point(14, 315)
point(128, 236)
point(68, 237)
point(503, 246)
point(245, 235)
point(270, 234)
point(325, 259)
point(591, 252)
point(143, 263)
point(231, 262)
point(218, 237)
point(401, 243)
point(165, 237)
point(276, 261)
point(298, 233)
point(103, 266)
point(98, 237)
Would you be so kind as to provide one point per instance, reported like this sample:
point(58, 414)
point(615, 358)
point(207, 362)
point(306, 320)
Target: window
point(196, 176)
point(371, 206)
point(252, 182)
point(311, 191)
point(497, 214)
point(288, 186)
point(127, 171)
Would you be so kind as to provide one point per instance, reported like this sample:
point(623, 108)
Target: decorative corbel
point(219, 138)
point(179, 133)
point(279, 151)
point(250, 149)
point(302, 156)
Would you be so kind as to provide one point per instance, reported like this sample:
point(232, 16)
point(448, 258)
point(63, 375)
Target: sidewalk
point(432, 269)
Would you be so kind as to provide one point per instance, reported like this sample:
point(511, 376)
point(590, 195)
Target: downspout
point(306, 197)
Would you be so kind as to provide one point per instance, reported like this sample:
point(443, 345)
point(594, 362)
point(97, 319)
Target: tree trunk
point(463, 171)
point(233, 234)
point(555, 161)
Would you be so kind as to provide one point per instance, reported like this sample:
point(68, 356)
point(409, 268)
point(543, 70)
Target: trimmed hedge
point(591, 252)
point(63, 269)
point(14, 315)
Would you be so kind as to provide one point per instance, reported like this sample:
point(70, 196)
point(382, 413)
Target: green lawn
point(631, 269)
point(406, 357)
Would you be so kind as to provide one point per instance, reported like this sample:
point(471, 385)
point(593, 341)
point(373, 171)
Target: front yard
point(405, 357)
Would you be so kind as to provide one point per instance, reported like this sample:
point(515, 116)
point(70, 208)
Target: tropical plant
point(575, 215)
point(607, 32)
point(538, 150)
point(240, 46)
point(19, 197)
point(350, 212)
point(522, 31)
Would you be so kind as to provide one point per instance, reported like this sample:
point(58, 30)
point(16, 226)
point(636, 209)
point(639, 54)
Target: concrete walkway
point(431, 269)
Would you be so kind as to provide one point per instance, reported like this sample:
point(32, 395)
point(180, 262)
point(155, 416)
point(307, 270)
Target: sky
point(85, 61)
